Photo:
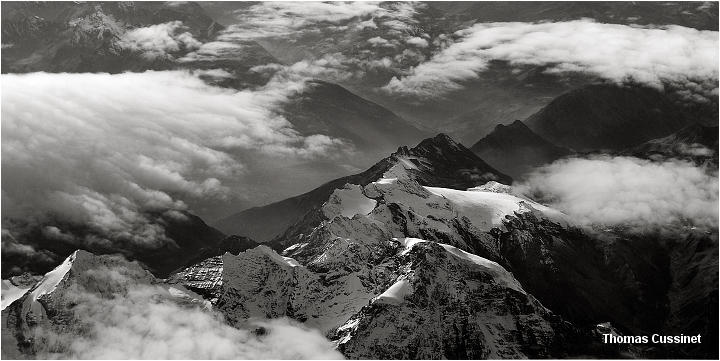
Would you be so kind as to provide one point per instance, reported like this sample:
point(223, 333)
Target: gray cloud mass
point(101, 150)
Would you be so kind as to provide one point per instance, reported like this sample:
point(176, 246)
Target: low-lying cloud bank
point(101, 150)
point(628, 191)
point(141, 321)
point(647, 55)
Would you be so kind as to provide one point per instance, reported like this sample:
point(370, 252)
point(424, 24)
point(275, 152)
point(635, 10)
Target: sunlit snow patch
point(10, 293)
point(487, 209)
point(294, 247)
point(348, 202)
point(53, 278)
point(492, 186)
point(285, 261)
point(396, 293)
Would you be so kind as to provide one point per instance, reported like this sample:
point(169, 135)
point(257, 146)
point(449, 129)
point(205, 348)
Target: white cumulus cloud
point(417, 41)
point(159, 40)
point(629, 191)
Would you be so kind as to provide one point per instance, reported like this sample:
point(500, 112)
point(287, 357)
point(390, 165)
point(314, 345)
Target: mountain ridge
point(604, 116)
point(290, 211)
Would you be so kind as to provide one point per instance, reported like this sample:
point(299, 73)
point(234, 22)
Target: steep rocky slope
point(514, 149)
point(610, 117)
point(328, 108)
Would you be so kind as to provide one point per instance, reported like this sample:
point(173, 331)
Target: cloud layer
point(629, 191)
point(102, 150)
point(349, 33)
point(278, 19)
point(651, 56)
point(147, 322)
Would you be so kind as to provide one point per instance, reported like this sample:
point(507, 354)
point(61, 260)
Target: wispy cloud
point(648, 55)
point(276, 19)
point(333, 30)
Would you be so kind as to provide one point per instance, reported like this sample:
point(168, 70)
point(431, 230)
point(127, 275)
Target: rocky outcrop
point(446, 303)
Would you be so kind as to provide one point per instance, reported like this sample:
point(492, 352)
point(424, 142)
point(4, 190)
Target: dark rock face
point(204, 278)
point(456, 312)
point(640, 283)
point(609, 117)
point(451, 165)
point(693, 295)
point(569, 271)
point(514, 149)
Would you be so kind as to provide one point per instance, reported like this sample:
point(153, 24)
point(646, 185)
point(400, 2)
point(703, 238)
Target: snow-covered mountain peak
point(492, 186)
point(440, 161)
point(499, 273)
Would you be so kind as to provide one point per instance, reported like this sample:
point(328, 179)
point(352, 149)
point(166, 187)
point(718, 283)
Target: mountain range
point(403, 262)
point(421, 241)
point(610, 117)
